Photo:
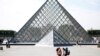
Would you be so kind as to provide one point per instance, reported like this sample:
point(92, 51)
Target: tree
point(8, 34)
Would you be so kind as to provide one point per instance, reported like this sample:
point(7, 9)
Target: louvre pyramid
point(52, 16)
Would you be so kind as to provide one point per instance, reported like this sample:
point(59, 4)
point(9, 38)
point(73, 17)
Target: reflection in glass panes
point(52, 16)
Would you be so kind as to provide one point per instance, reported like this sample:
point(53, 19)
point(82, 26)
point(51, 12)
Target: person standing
point(66, 52)
point(1, 41)
point(59, 52)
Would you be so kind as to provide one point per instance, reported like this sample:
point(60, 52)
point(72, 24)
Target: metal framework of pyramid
point(52, 16)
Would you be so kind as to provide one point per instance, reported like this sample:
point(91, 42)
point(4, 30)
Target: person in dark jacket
point(66, 51)
point(1, 41)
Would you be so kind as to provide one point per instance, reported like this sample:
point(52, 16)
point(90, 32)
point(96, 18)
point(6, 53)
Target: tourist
point(59, 51)
point(66, 52)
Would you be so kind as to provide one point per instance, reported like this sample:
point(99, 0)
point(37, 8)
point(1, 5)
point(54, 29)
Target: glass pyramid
point(52, 16)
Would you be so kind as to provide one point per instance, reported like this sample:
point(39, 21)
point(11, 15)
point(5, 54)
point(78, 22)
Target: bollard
point(99, 44)
point(1, 48)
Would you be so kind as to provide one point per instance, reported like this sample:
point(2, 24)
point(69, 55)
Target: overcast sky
point(15, 13)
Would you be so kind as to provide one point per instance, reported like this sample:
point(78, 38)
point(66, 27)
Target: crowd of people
point(62, 52)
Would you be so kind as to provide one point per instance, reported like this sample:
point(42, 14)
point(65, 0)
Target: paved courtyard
point(49, 51)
